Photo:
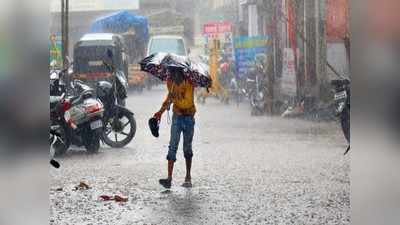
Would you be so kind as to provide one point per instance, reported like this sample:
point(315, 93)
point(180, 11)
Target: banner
point(217, 28)
point(288, 80)
point(246, 48)
point(56, 50)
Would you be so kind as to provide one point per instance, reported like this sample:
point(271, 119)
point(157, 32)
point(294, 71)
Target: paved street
point(246, 170)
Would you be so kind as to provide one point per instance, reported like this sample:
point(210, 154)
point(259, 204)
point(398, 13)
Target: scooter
point(77, 119)
point(255, 90)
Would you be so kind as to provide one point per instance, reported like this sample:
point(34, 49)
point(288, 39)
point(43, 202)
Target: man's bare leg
point(188, 168)
point(170, 169)
point(188, 178)
point(167, 182)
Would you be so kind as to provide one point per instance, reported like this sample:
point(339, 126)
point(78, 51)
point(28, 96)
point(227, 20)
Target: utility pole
point(274, 38)
point(310, 54)
point(65, 30)
point(66, 27)
point(317, 49)
point(305, 48)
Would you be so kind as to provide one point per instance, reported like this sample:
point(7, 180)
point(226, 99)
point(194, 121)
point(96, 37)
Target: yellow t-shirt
point(182, 96)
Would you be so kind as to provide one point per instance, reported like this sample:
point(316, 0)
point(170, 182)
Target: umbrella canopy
point(157, 64)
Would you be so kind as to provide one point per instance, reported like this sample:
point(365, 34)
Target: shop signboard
point(217, 28)
point(221, 31)
point(246, 48)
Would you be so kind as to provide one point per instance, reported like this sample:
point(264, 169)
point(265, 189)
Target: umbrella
point(157, 64)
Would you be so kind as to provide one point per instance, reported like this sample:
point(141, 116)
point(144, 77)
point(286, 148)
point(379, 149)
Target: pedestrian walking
point(181, 95)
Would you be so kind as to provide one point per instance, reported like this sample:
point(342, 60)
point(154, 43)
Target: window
point(169, 45)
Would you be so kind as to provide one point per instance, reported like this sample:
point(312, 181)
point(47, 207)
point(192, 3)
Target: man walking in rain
point(181, 95)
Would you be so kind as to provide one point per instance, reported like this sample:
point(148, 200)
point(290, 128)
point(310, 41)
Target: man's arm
point(165, 105)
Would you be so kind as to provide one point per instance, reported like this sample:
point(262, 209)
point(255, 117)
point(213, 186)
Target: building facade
point(313, 30)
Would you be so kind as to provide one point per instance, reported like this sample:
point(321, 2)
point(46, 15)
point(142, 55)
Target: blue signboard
point(246, 48)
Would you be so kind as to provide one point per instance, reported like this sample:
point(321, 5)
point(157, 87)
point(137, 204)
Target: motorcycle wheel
point(345, 122)
point(112, 131)
point(92, 143)
point(121, 102)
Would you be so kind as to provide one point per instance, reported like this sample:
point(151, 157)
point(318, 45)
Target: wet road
point(246, 170)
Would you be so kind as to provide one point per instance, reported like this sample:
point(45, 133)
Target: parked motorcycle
point(342, 103)
point(77, 118)
point(119, 122)
point(255, 89)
